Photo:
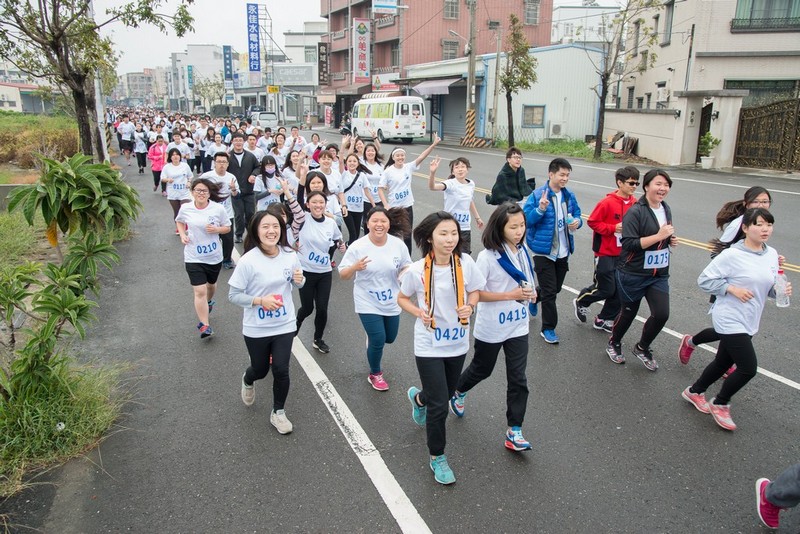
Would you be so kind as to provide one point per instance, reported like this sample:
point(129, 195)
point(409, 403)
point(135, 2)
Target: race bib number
point(382, 296)
point(656, 259)
point(353, 199)
point(206, 249)
point(400, 195)
point(319, 259)
point(448, 335)
point(511, 316)
point(266, 315)
point(461, 217)
point(178, 187)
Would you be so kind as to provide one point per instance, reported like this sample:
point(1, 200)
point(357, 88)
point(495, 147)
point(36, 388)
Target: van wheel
point(408, 140)
point(381, 138)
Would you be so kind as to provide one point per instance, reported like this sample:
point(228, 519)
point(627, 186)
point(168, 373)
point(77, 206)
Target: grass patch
point(573, 148)
point(22, 137)
point(10, 174)
point(55, 423)
point(17, 237)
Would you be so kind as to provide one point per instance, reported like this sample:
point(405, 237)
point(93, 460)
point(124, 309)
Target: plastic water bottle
point(570, 220)
point(781, 298)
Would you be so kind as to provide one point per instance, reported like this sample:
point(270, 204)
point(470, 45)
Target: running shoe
point(248, 393)
point(321, 346)
point(685, 351)
point(211, 305)
point(646, 356)
point(228, 264)
point(603, 324)
point(163, 193)
point(441, 470)
point(581, 312)
point(515, 441)
point(614, 351)
point(722, 415)
point(698, 400)
point(377, 382)
point(237, 239)
point(550, 336)
point(457, 404)
point(767, 512)
point(418, 413)
point(729, 372)
point(205, 330)
point(279, 420)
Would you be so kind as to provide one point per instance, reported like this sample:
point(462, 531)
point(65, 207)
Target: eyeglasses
point(200, 191)
point(762, 202)
point(634, 184)
point(516, 156)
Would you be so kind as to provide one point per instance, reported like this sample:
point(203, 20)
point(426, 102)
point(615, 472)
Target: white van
point(265, 119)
point(390, 117)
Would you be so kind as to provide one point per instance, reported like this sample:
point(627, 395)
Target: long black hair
point(398, 220)
point(424, 231)
point(252, 239)
point(493, 236)
point(213, 189)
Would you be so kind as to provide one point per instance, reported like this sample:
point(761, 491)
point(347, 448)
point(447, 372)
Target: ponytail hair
point(735, 208)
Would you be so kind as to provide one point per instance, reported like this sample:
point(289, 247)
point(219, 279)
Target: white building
point(710, 53)
point(582, 24)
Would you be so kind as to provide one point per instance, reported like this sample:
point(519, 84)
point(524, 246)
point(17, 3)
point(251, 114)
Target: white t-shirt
point(374, 179)
point(334, 180)
point(202, 247)
point(126, 129)
point(257, 274)
point(315, 239)
point(185, 150)
point(295, 143)
point(375, 288)
point(290, 176)
point(224, 188)
point(496, 322)
point(257, 152)
point(561, 221)
point(661, 215)
point(457, 199)
point(279, 154)
point(258, 187)
point(181, 176)
point(354, 196)
point(309, 150)
point(264, 144)
point(450, 338)
point(213, 149)
point(397, 183)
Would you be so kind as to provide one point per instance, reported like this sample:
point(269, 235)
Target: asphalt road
point(615, 448)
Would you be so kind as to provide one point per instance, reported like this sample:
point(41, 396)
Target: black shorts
point(126, 145)
point(203, 273)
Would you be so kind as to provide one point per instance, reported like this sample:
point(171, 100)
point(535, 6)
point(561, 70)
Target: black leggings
point(407, 239)
point(157, 180)
point(733, 348)
point(438, 377)
point(278, 349)
point(316, 291)
point(659, 314)
point(227, 244)
point(141, 159)
point(353, 223)
point(708, 335)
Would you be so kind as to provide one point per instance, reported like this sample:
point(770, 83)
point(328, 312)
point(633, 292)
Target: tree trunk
point(82, 116)
point(510, 119)
point(601, 118)
point(97, 128)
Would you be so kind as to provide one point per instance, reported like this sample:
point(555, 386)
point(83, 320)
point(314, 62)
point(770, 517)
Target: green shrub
point(22, 137)
point(567, 148)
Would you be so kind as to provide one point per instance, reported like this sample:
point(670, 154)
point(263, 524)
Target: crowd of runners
point(290, 201)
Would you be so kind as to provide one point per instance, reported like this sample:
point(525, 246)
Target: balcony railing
point(762, 25)
point(339, 75)
point(384, 21)
point(337, 35)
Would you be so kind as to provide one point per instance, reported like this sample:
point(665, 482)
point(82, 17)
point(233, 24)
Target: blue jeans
point(380, 330)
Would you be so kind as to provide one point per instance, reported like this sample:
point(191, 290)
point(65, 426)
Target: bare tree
point(520, 70)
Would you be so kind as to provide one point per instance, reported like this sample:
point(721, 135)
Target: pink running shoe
point(722, 415)
point(698, 400)
point(729, 372)
point(686, 350)
point(767, 512)
point(377, 382)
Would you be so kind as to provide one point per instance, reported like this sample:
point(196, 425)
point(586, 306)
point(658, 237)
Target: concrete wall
point(657, 133)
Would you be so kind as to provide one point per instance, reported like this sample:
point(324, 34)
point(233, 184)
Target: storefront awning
point(435, 87)
point(354, 89)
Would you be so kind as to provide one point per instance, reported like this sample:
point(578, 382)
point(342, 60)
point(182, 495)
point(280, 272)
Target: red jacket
point(603, 221)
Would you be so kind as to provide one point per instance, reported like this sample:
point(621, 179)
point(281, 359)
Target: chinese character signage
point(384, 7)
point(190, 76)
point(361, 51)
point(322, 64)
point(253, 45)
point(227, 62)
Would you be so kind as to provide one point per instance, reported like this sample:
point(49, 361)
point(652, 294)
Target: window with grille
point(311, 54)
point(531, 12)
point(395, 61)
point(451, 9)
point(533, 116)
point(449, 49)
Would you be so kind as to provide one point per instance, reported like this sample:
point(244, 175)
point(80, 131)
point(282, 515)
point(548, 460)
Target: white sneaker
point(279, 421)
point(248, 393)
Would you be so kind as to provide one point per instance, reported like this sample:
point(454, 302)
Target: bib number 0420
point(449, 336)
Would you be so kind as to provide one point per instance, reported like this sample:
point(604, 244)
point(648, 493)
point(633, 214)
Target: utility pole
point(498, 34)
point(469, 135)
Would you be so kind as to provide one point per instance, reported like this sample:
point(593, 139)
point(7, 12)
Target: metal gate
point(454, 112)
point(769, 136)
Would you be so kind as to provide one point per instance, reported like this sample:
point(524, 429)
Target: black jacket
point(249, 167)
point(510, 186)
point(639, 222)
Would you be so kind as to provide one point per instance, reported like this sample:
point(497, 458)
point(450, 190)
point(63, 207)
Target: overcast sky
point(219, 22)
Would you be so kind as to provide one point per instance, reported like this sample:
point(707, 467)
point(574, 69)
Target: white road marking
point(712, 350)
point(398, 503)
point(407, 517)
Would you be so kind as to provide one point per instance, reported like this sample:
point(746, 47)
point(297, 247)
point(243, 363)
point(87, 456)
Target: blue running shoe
point(457, 404)
point(550, 336)
point(419, 413)
point(205, 330)
point(441, 470)
point(211, 305)
point(515, 441)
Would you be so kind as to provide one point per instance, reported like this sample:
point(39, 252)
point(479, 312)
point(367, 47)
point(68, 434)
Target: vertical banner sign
point(328, 116)
point(190, 76)
point(361, 70)
point(227, 62)
point(253, 45)
point(322, 64)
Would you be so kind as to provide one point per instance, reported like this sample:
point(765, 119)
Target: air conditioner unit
point(662, 94)
point(556, 130)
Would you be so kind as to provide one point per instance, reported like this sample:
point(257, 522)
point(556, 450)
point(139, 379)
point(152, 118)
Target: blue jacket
point(542, 226)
